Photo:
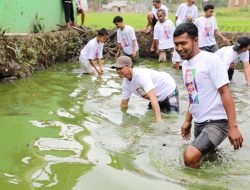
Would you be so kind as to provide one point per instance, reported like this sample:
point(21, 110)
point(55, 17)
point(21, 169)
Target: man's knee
point(192, 157)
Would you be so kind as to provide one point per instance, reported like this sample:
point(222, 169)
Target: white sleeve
point(132, 33)
point(147, 83)
point(218, 72)
point(195, 13)
point(156, 34)
point(126, 92)
point(178, 11)
point(245, 57)
point(119, 40)
point(166, 10)
point(215, 24)
point(100, 53)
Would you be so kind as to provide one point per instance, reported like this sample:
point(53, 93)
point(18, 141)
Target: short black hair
point(161, 10)
point(156, 1)
point(117, 19)
point(189, 28)
point(208, 6)
point(102, 32)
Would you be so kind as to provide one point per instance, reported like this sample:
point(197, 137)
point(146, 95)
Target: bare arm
point(186, 126)
point(134, 48)
point(234, 133)
point(93, 65)
point(100, 63)
point(118, 51)
point(155, 105)
point(124, 103)
point(157, 46)
point(247, 72)
point(219, 34)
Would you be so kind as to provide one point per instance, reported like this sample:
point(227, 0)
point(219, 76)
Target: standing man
point(152, 16)
point(126, 39)
point(157, 87)
point(210, 101)
point(186, 12)
point(208, 29)
point(163, 36)
point(69, 13)
point(232, 55)
point(92, 52)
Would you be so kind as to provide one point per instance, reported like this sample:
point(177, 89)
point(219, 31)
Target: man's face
point(103, 39)
point(161, 17)
point(123, 72)
point(244, 49)
point(209, 13)
point(157, 5)
point(119, 24)
point(185, 45)
point(191, 2)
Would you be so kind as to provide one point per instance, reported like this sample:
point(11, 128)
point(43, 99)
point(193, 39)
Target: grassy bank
point(229, 19)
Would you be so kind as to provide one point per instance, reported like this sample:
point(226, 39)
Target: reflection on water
point(61, 126)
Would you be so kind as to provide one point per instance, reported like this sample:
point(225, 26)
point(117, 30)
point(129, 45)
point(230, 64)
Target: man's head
point(161, 15)
point(102, 35)
point(118, 21)
point(190, 2)
point(123, 66)
point(186, 40)
point(157, 4)
point(242, 44)
point(208, 10)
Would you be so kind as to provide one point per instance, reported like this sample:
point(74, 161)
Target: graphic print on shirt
point(141, 91)
point(233, 65)
point(208, 28)
point(191, 86)
point(96, 53)
point(166, 31)
point(124, 39)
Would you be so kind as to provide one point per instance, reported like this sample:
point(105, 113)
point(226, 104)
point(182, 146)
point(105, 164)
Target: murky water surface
point(63, 130)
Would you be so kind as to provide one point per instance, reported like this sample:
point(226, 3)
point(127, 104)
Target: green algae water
point(62, 130)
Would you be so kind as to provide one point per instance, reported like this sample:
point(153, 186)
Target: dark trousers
point(230, 73)
point(68, 11)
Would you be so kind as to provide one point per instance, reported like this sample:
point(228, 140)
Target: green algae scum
point(60, 130)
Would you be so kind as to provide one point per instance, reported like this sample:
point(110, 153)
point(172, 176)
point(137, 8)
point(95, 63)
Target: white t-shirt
point(206, 28)
point(230, 57)
point(183, 11)
point(164, 33)
point(176, 58)
point(154, 11)
point(144, 80)
point(125, 37)
point(93, 50)
point(203, 75)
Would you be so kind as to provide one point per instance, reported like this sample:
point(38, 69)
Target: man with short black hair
point(127, 39)
point(92, 52)
point(211, 104)
point(232, 55)
point(208, 29)
point(157, 87)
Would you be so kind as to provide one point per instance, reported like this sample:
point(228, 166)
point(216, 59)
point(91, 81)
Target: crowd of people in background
point(190, 42)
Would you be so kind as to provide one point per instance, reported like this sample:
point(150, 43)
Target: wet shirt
point(184, 11)
point(125, 37)
point(93, 50)
point(163, 7)
point(206, 28)
point(231, 58)
point(203, 75)
point(164, 33)
point(144, 80)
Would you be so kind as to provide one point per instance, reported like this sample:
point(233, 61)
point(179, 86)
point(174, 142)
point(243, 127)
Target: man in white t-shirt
point(80, 11)
point(127, 39)
point(152, 16)
point(92, 52)
point(211, 105)
point(157, 87)
point(232, 55)
point(208, 29)
point(186, 12)
point(163, 36)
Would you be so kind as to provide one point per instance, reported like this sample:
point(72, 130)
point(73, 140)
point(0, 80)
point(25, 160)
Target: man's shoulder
point(128, 27)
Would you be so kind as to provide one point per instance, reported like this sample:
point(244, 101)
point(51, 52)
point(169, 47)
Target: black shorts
point(209, 134)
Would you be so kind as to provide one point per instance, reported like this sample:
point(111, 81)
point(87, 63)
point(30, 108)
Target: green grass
point(229, 19)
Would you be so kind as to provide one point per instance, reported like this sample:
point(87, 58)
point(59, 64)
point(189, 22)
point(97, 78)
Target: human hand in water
point(235, 137)
point(186, 130)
